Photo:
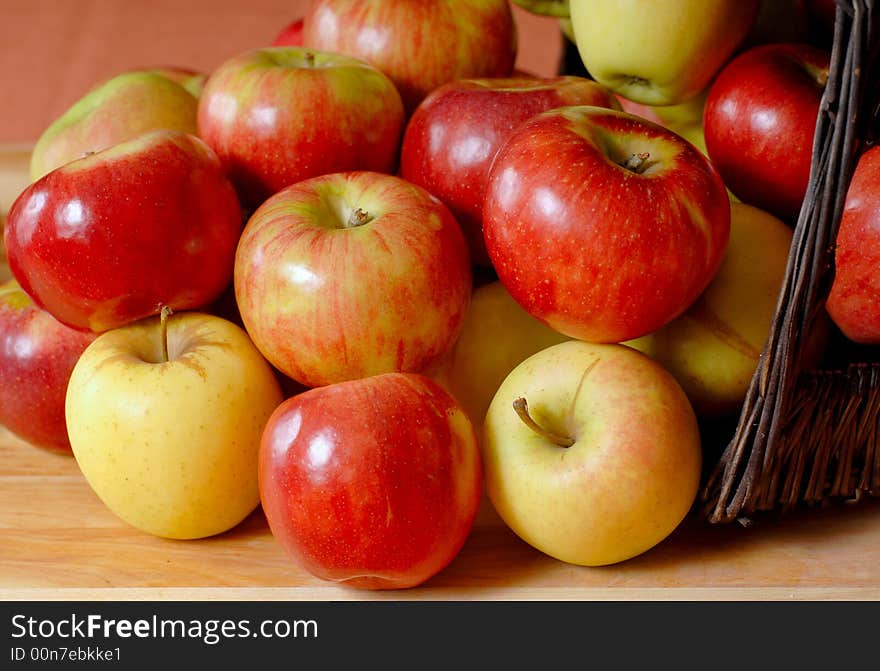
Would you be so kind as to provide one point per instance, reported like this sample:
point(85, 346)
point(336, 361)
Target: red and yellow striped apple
point(279, 115)
point(352, 274)
point(420, 45)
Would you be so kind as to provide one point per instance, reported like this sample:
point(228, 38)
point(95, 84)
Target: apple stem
point(163, 331)
point(522, 409)
point(636, 161)
point(358, 217)
point(310, 59)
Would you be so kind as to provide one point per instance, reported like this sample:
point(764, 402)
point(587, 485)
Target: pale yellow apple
point(622, 469)
point(497, 335)
point(713, 348)
point(659, 52)
point(117, 110)
point(171, 446)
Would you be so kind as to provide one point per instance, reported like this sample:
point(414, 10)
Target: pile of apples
point(362, 281)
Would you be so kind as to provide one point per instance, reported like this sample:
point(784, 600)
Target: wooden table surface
point(58, 541)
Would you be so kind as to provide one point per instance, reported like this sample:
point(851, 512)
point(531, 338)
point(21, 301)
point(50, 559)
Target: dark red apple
point(453, 135)
point(420, 45)
point(37, 356)
point(112, 237)
point(603, 225)
point(279, 115)
point(373, 483)
point(759, 122)
point(854, 300)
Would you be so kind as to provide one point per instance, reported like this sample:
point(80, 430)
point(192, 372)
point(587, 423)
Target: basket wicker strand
point(809, 436)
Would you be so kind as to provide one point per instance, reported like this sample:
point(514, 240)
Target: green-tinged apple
point(279, 115)
point(591, 452)
point(371, 483)
point(110, 238)
point(37, 355)
point(714, 347)
point(118, 110)
point(165, 419)
point(420, 45)
point(659, 52)
point(601, 224)
point(352, 274)
point(497, 336)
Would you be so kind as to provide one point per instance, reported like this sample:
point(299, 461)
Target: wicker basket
point(807, 437)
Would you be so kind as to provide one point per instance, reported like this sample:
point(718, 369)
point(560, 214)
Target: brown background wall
point(52, 51)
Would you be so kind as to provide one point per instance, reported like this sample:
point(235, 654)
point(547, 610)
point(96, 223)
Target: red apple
point(420, 45)
point(291, 35)
point(854, 300)
point(352, 274)
point(759, 122)
point(602, 224)
point(372, 483)
point(37, 356)
point(112, 237)
point(280, 115)
point(453, 135)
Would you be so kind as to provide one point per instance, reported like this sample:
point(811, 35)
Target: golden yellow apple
point(713, 348)
point(169, 441)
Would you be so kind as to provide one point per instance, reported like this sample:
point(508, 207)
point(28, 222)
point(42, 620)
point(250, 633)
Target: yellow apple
point(591, 452)
point(497, 335)
point(713, 348)
point(659, 52)
point(170, 443)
